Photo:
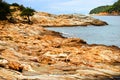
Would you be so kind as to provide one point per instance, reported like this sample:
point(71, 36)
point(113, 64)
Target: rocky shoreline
point(30, 52)
point(52, 20)
point(106, 14)
point(68, 20)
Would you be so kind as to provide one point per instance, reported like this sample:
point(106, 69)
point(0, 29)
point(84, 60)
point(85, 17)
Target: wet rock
point(98, 23)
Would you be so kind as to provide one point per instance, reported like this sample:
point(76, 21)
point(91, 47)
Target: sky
point(63, 6)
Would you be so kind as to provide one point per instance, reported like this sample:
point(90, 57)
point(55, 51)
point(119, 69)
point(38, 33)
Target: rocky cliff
point(30, 52)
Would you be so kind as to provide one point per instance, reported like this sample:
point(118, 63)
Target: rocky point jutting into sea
point(51, 20)
point(30, 52)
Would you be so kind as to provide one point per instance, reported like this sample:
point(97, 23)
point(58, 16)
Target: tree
point(28, 12)
point(4, 10)
point(14, 4)
point(21, 7)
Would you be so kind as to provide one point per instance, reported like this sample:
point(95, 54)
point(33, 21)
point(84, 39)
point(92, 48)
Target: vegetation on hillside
point(100, 9)
point(21, 7)
point(115, 7)
point(4, 10)
point(108, 8)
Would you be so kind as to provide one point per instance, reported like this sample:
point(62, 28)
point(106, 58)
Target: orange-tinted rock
point(15, 66)
point(113, 13)
point(51, 20)
point(38, 51)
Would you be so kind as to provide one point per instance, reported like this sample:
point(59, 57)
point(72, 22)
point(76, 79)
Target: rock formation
point(51, 20)
point(30, 52)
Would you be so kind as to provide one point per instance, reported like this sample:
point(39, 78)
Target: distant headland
point(107, 10)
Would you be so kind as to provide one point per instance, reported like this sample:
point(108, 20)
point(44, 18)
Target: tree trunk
point(28, 19)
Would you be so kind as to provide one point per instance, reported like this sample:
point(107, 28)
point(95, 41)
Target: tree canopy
point(100, 9)
point(115, 7)
point(4, 10)
point(109, 8)
point(21, 7)
point(14, 4)
point(28, 12)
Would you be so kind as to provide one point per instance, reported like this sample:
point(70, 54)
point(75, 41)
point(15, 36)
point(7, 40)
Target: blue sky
point(63, 6)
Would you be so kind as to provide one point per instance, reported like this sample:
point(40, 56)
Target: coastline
point(50, 20)
point(32, 52)
point(102, 14)
point(29, 51)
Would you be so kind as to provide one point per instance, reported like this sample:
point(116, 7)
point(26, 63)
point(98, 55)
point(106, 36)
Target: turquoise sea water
point(107, 35)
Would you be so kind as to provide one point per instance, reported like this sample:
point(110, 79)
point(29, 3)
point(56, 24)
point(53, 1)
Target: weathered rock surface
point(30, 52)
point(51, 20)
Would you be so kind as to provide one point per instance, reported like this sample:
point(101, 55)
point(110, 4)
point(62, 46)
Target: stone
point(44, 54)
point(3, 62)
point(15, 66)
point(65, 20)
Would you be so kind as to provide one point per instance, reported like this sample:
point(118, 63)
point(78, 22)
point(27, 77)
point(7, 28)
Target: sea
point(107, 35)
